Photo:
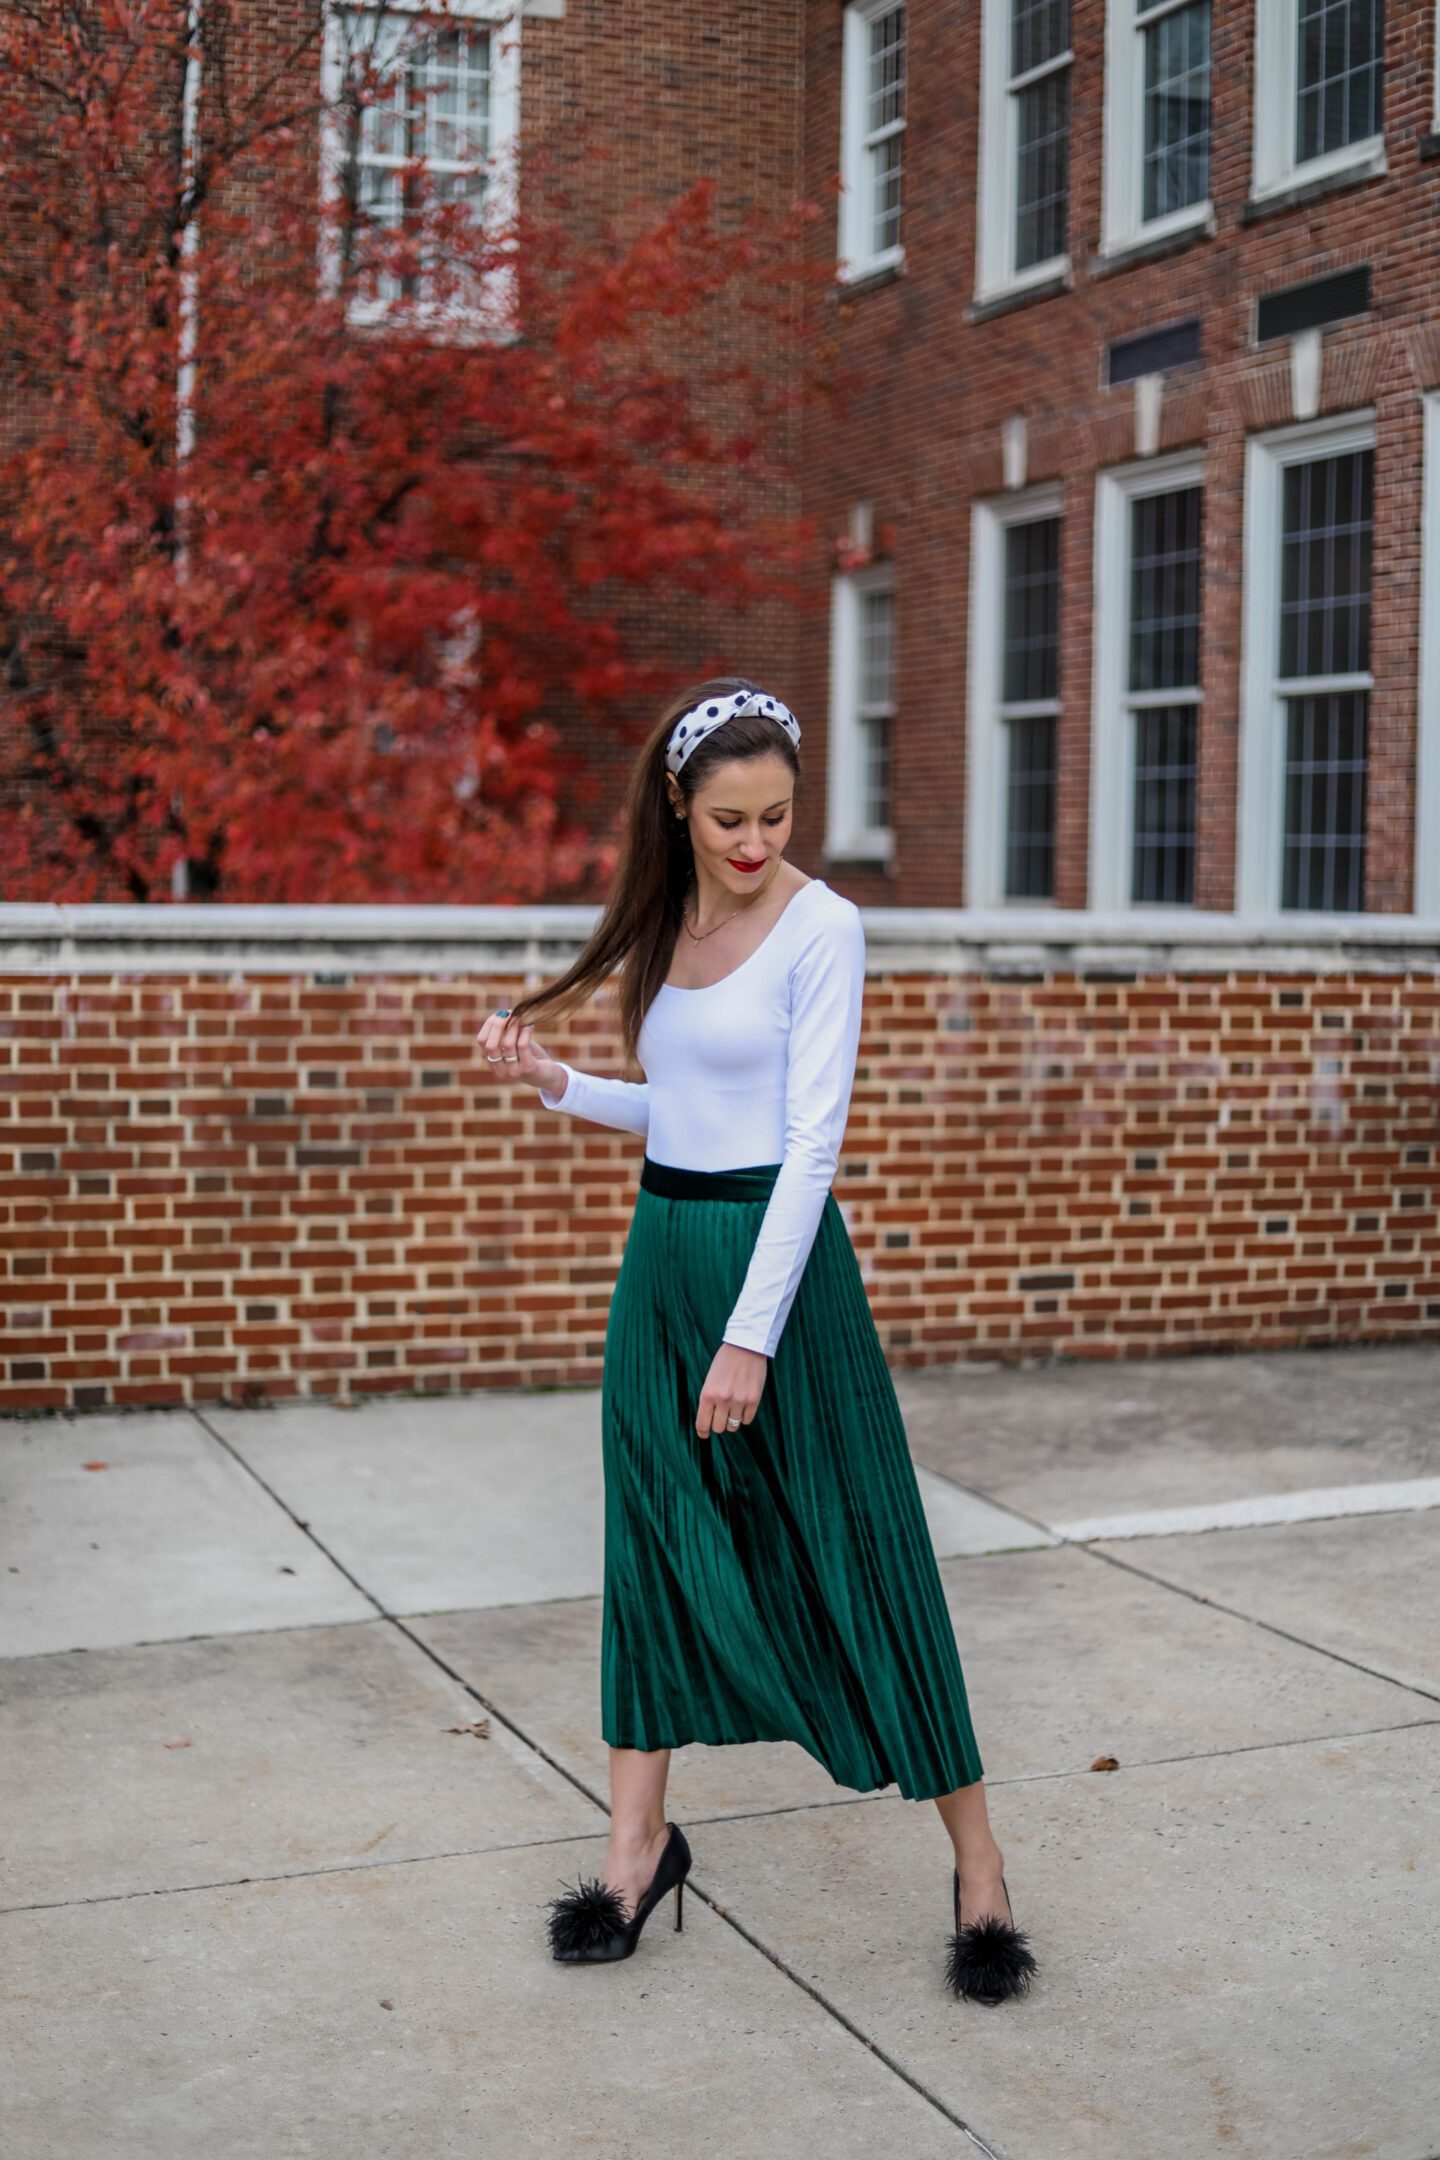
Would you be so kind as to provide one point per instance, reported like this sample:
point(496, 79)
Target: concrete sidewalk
point(300, 1731)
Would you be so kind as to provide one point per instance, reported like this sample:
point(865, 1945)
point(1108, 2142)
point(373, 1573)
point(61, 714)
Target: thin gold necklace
point(734, 911)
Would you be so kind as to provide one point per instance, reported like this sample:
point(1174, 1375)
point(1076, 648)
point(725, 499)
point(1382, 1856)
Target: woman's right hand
point(512, 1053)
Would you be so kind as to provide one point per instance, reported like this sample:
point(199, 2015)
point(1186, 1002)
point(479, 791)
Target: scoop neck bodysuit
point(756, 1068)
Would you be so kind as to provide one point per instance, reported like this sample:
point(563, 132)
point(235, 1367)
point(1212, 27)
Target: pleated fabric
point(777, 1582)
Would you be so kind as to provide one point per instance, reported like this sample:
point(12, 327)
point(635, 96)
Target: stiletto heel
point(679, 1894)
point(989, 1960)
point(589, 1925)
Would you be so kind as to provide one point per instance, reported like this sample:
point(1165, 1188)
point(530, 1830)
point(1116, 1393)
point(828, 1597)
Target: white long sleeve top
point(756, 1068)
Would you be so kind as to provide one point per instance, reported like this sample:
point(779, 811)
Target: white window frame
point(995, 274)
point(857, 258)
point(493, 317)
point(1276, 78)
point(1125, 225)
point(1261, 804)
point(987, 742)
point(846, 837)
point(1112, 752)
point(1426, 877)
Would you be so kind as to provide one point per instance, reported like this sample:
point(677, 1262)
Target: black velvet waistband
point(672, 1183)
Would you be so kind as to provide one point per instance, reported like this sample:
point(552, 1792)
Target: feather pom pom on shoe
point(586, 1919)
point(989, 1960)
point(589, 1924)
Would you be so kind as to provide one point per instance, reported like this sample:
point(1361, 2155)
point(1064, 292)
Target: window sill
point(866, 281)
point(855, 857)
point(1308, 191)
point(983, 309)
point(1129, 254)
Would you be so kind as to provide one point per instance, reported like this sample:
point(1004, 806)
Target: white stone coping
point(42, 938)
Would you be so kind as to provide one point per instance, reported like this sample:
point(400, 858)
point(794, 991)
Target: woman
point(768, 1571)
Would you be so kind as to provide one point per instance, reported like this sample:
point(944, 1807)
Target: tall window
point(1012, 739)
point(1310, 522)
point(433, 104)
point(875, 709)
point(872, 136)
point(1157, 118)
point(1327, 522)
point(1040, 87)
point(1026, 141)
point(1030, 705)
point(1164, 692)
point(862, 715)
point(1319, 89)
point(1175, 139)
point(419, 112)
point(1145, 708)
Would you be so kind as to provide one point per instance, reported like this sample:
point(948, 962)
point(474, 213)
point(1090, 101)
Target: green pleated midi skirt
point(777, 1582)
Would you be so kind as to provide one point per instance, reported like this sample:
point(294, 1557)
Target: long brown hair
point(641, 919)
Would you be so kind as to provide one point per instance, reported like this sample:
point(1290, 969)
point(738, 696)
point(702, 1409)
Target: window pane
point(1325, 565)
point(1030, 809)
point(1165, 591)
point(1030, 667)
point(885, 194)
point(1324, 862)
point(877, 617)
point(1340, 62)
point(875, 773)
point(886, 90)
point(1163, 867)
point(432, 104)
point(1039, 31)
point(1042, 182)
point(884, 123)
point(1176, 156)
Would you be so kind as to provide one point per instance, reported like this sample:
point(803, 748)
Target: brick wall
point(247, 1154)
point(668, 92)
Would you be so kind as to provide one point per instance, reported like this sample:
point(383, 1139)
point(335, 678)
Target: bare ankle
point(637, 1837)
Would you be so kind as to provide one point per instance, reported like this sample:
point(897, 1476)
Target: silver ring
point(732, 1424)
point(491, 1061)
point(512, 1057)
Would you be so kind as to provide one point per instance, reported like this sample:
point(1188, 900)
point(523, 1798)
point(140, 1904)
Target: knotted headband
point(703, 719)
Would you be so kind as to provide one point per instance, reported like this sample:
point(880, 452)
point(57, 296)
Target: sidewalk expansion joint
point(1271, 1627)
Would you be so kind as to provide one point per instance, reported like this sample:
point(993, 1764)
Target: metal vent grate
point(1317, 301)
point(1151, 352)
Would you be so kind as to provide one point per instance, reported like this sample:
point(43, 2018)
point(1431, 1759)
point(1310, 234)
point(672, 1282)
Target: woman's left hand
point(733, 1388)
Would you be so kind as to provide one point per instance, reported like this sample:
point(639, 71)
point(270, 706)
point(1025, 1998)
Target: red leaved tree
point(339, 461)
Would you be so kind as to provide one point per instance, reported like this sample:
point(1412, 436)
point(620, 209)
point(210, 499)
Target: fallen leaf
point(178, 1743)
point(480, 1729)
point(1105, 1762)
point(94, 1465)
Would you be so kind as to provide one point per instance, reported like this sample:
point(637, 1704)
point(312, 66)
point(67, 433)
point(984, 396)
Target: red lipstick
point(749, 868)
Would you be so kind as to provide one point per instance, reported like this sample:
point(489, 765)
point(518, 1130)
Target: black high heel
point(989, 1960)
point(589, 1926)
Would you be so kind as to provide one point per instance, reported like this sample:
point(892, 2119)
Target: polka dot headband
point(703, 719)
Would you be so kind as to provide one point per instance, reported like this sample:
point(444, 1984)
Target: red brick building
point(1138, 299)
point(1143, 297)
point(1130, 505)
